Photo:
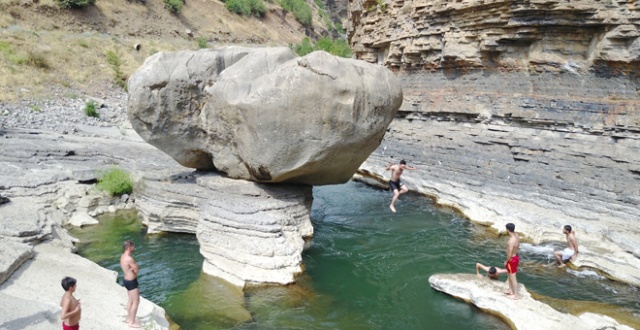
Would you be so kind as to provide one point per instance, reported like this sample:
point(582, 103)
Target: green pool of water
point(366, 269)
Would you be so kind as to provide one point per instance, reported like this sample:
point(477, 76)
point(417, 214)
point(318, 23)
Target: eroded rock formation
point(540, 35)
point(248, 232)
point(526, 313)
point(260, 114)
point(518, 111)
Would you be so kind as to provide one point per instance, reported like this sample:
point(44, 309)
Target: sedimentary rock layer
point(248, 232)
point(541, 35)
point(518, 111)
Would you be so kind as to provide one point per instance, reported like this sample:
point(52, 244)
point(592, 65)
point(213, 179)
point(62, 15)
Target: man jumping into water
point(130, 269)
point(512, 261)
point(398, 187)
point(570, 253)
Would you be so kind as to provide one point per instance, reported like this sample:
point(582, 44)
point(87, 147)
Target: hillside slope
point(43, 46)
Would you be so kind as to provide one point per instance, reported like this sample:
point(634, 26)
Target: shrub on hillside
point(256, 8)
point(115, 181)
point(202, 42)
point(113, 58)
point(240, 7)
point(90, 109)
point(337, 47)
point(300, 9)
point(174, 6)
point(74, 4)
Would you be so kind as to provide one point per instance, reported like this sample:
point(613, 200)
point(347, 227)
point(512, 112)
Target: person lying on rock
point(492, 272)
point(570, 253)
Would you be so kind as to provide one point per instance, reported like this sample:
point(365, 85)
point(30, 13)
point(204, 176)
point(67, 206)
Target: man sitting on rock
point(570, 253)
point(492, 272)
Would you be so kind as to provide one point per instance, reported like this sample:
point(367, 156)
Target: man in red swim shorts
point(512, 260)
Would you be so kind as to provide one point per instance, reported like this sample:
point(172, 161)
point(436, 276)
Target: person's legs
point(558, 255)
point(396, 194)
point(132, 307)
point(403, 190)
point(513, 286)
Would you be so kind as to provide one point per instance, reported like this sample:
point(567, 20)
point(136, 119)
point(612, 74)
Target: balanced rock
point(262, 114)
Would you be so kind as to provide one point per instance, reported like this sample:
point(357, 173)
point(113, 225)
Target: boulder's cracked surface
point(261, 114)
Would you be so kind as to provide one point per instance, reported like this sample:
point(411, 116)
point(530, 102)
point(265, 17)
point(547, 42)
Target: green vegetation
point(35, 108)
point(174, 6)
point(337, 47)
point(256, 8)
point(33, 58)
point(74, 4)
point(113, 58)
point(90, 109)
point(83, 44)
point(115, 181)
point(300, 9)
point(202, 42)
point(382, 4)
point(339, 28)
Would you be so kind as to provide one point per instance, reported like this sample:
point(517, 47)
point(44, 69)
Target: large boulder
point(262, 114)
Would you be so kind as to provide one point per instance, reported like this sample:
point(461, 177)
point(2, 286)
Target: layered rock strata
point(525, 313)
point(249, 233)
point(261, 114)
point(518, 111)
point(45, 176)
point(542, 35)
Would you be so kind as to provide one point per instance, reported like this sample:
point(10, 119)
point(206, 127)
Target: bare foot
point(393, 209)
point(134, 324)
point(514, 297)
point(562, 265)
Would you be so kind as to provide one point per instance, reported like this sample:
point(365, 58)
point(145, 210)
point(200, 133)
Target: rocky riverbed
point(50, 156)
point(51, 152)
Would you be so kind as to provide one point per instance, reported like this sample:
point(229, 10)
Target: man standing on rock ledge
point(571, 252)
point(397, 187)
point(130, 269)
point(512, 261)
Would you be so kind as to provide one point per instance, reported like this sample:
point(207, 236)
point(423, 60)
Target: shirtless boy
point(511, 264)
point(570, 253)
point(398, 187)
point(130, 270)
point(71, 310)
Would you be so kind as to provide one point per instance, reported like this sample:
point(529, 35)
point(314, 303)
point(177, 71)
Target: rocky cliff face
point(518, 111)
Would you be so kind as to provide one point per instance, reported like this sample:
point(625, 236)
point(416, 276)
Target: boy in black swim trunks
point(397, 187)
point(130, 269)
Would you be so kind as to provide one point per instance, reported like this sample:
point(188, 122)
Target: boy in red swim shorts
point(512, 260)
point(71, 310)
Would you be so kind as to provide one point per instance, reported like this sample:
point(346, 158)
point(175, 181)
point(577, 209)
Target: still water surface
point(366, 268)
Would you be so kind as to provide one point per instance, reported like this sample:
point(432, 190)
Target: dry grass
point(32, 62)
point(42, 46)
